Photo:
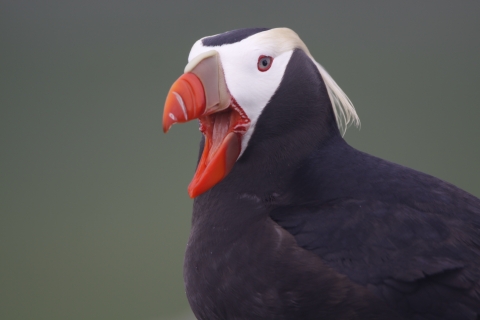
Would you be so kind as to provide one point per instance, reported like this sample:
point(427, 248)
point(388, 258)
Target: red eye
point(264, 63)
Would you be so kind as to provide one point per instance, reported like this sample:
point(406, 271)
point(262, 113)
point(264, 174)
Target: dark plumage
point(231, 36)
point(307, 227)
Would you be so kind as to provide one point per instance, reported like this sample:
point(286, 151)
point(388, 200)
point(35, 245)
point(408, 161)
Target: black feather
point(306, 227)
point(230, 37)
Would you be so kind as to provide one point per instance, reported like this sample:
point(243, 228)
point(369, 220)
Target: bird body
point(303, 226)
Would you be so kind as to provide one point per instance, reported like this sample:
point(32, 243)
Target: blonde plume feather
point(285, 39)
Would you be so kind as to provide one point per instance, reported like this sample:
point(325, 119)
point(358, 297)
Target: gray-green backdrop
point(94, 213)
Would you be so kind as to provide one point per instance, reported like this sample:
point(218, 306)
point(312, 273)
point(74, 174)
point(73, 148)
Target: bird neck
point(297, 121)
point(267, 170)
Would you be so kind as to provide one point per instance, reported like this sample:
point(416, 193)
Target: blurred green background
point(94, 213)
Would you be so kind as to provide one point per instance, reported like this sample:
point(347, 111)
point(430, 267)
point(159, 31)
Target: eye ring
point(264, 63)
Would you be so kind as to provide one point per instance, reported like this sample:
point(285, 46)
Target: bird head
point(229, 80)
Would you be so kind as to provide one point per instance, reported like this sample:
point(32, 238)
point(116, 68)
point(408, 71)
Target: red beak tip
point(167, 124)
point(192, 194)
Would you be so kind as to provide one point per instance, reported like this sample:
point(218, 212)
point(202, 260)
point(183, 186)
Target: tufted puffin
point(291, 222)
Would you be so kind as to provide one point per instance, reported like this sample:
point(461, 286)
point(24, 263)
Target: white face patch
point(251, 88)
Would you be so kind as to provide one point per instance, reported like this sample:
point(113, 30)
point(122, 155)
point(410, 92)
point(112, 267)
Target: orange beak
point(185, 101)
point(201, 93)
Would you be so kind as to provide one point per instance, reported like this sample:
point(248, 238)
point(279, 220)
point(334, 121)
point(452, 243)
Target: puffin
point(291, 222)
